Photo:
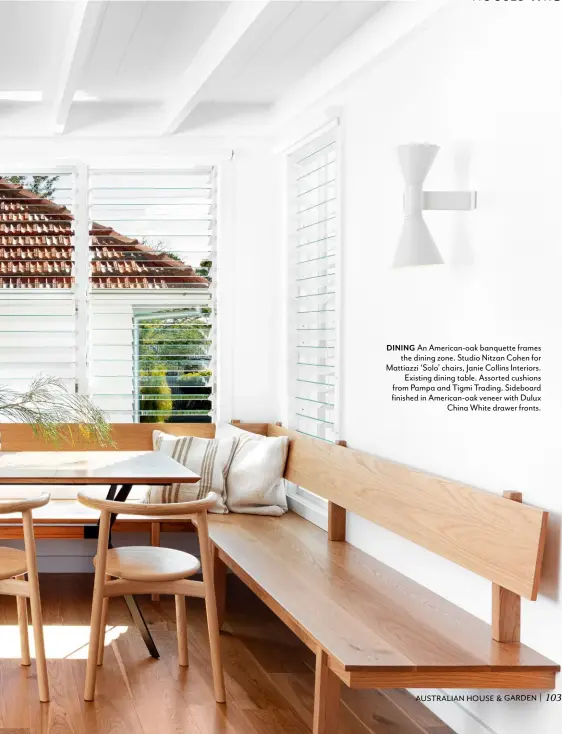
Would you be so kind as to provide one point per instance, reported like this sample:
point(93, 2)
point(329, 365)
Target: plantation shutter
point(152, 254)
point(313, 258)
point(38, 325)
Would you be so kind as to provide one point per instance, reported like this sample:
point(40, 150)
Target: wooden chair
point(14, 565)
point(150, 570)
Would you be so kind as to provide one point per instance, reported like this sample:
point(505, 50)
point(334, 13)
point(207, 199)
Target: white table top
point(92, 467)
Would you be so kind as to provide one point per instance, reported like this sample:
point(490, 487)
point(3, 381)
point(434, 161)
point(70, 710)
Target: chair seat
point(146, 563)
point(12, 562)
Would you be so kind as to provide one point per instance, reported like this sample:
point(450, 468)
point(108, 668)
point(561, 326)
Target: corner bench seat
point(368, 625)
point(379, 628)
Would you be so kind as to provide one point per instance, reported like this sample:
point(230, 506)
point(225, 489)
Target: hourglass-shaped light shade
point(416, 245)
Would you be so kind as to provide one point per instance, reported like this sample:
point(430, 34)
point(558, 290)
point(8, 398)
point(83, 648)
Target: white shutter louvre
point(152, 250)
point(313, 282)
point(37, 299)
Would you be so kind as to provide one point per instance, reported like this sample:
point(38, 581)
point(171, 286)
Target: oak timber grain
point(500, 540)
point(337, 519)
point(518, 680)
point(152, 570)
point(155, 529)
point(366, 616)
point(506, 615)
point(151, 510)
point(219, 576)
point(124, 436)
point(91, 467)
point(269, 684)
point(506, 605)
point(326, 697)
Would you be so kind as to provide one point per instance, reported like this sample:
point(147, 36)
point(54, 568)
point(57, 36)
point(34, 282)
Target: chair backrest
point(125, 436)
point(495, 537)
point(24, 505)
point(138, 508)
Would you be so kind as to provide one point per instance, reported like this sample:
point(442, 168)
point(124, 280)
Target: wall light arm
point(448, 200)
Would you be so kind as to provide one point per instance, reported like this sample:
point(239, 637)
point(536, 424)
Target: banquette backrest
point(487, 533)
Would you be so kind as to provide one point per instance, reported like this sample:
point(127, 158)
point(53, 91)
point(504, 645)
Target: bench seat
point(379, 628)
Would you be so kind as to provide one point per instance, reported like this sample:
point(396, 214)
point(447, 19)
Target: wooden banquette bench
point(368, 625)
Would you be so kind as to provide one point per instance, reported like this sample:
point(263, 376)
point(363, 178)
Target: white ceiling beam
point(235, 22)
point(84, 27)
point(393, 23)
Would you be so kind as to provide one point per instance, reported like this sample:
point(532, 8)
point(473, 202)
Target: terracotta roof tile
point(36, 250)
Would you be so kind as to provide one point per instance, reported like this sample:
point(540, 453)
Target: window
point(313, 230)
point(313, 253)
point(107, 281)
point(37, 271)
point(152, 248)
point(172, 366)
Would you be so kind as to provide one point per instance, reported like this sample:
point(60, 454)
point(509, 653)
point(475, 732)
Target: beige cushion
point(208, 458)
point(255, 484)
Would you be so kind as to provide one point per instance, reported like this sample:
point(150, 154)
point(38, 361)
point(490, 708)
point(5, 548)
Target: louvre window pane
point(37, 300)
point(152, 230)
point(313, 229)
point(173, 366)
point(124, 313)
point(152, 245)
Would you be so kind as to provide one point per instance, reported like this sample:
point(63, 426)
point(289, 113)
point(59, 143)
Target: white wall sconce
point(416, 245)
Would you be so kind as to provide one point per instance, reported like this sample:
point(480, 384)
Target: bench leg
point(155, 543)
point(326, 697)
point(219, 573)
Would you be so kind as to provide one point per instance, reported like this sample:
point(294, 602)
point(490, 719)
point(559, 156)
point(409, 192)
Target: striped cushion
point(209, 458)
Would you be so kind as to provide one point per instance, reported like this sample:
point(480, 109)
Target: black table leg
point(134, 609)
point(140, 622)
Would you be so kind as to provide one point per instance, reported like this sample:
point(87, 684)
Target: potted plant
point(48, 406)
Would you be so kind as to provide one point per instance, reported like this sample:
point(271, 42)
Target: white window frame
point(81, 292)
point(300, 500)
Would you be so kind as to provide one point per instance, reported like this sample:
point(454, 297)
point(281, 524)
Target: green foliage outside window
point(174, 377)
point(43, 186)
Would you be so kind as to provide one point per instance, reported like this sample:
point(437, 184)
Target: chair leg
point(103, 624)
point(211, 607)
point(155, 543)
point(24, 629)
point(35, 603)
point(97, 608)
point(181, 625)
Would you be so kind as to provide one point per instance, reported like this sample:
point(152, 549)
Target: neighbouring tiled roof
point(36, 250)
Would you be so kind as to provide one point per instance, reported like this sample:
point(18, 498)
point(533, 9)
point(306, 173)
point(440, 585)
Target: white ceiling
point(158, 67)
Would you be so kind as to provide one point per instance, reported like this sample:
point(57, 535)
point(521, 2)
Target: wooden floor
point(269, 675)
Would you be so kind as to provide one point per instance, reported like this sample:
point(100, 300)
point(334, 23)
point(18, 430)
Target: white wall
point(250, 269)
point(482, 80)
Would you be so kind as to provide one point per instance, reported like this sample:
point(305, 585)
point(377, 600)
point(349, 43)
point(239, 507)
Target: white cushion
point(255, 484)
point(209, 458)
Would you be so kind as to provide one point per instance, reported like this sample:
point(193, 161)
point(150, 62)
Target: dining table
point(121, 470)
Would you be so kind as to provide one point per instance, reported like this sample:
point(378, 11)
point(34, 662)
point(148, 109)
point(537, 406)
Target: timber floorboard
point(268, 673)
